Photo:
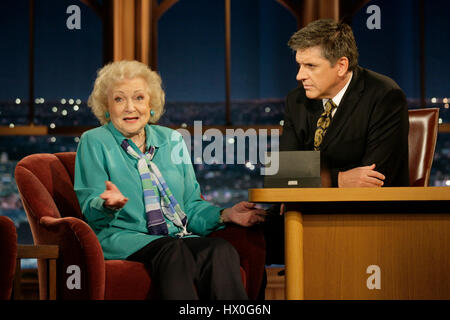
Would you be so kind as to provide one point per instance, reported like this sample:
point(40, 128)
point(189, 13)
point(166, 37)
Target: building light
point(76, 107)
point(250, 165)
point(52, 126)
point(55, 109)
point(433, 100)
point(267, 109)
point(78, 101)
point(11, 125)
point(64, 112)
point(440, 121)
point(71, 101)
point(63, 101)
point(18, 101)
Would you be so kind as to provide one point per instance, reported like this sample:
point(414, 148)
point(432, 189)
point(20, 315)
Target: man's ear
point(342, 65)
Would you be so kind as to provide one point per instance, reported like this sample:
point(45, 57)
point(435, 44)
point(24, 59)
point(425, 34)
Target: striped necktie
point(323, 123)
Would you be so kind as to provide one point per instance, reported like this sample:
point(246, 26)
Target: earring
point(152, 113)
point(107, 115)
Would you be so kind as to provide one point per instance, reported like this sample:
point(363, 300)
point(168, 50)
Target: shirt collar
point(153, 137)
point(337, 98)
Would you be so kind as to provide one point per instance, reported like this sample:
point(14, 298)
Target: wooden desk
point(49, 253)
point(363, 243)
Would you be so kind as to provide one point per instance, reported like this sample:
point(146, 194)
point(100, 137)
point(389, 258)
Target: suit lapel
point(346, 107)
point(315, 109)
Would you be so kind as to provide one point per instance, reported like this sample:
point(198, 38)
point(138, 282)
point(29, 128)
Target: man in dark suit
point(357, 118)
point(366, 141)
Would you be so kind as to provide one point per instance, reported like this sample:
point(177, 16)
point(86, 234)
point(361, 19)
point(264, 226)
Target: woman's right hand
point(114, 199)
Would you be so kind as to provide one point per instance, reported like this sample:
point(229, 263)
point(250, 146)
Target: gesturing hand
point(244, 213)
point(114, 199)
point(360, 177)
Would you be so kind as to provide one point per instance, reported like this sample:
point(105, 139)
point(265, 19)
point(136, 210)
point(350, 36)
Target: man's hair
point(335, 39)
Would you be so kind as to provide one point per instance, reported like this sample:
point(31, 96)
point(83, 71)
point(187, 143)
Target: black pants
point(274, 236)
point(193, 268)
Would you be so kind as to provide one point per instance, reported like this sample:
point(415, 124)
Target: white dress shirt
point(337, 98)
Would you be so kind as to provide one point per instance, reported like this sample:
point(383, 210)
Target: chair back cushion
point(423, 129)
point(45, 183)
point(68, 160)
point(8, 255)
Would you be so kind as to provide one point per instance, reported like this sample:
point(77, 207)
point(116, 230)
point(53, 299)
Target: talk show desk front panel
point(364, 243)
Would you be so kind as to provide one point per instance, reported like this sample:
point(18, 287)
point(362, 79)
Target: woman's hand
point(114, 199)
point(244, 213)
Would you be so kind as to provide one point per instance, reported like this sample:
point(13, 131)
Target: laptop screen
point(292, 169)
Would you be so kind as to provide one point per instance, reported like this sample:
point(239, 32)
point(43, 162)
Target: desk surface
point(349, 194)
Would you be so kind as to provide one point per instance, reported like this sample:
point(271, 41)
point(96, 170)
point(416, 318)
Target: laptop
point(296, 169)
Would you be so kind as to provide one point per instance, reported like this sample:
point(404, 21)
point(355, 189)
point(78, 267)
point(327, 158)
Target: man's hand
point(360, 177)
point(114, 199)
point(244, 214)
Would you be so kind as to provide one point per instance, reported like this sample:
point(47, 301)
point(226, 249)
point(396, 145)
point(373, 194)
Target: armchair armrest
point(251, 246)
point(81, 265)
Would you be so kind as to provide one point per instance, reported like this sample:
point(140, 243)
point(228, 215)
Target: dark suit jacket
point(370, 126)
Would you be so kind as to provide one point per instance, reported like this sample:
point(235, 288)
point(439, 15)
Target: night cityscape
point(222, 184)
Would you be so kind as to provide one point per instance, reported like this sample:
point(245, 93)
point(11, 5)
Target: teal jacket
point(100, 158)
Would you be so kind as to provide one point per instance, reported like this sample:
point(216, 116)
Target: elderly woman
point(142, 205)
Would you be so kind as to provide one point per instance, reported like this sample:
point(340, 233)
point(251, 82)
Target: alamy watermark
point(234, 144)
point(374, 280)
point(374, 20)
point(74, 20)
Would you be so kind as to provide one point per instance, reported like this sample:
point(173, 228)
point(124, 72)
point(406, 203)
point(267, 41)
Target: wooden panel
point(444, 128)
point(23, 130)
point(329, 9)
point(124, 30)
point(78, 130)
point(143, 20)
point(349, 194)
point(275, 284)
point(294, 245)
point(403, 231)
point(49, 254)
point(37, 251)
point(17, 278)
point(412, 251)
point(52, 279)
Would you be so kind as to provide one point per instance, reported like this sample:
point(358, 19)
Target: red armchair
point(8, 255)
point(45, 183)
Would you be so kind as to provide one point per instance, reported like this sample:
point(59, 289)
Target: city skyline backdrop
point(191, 49)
